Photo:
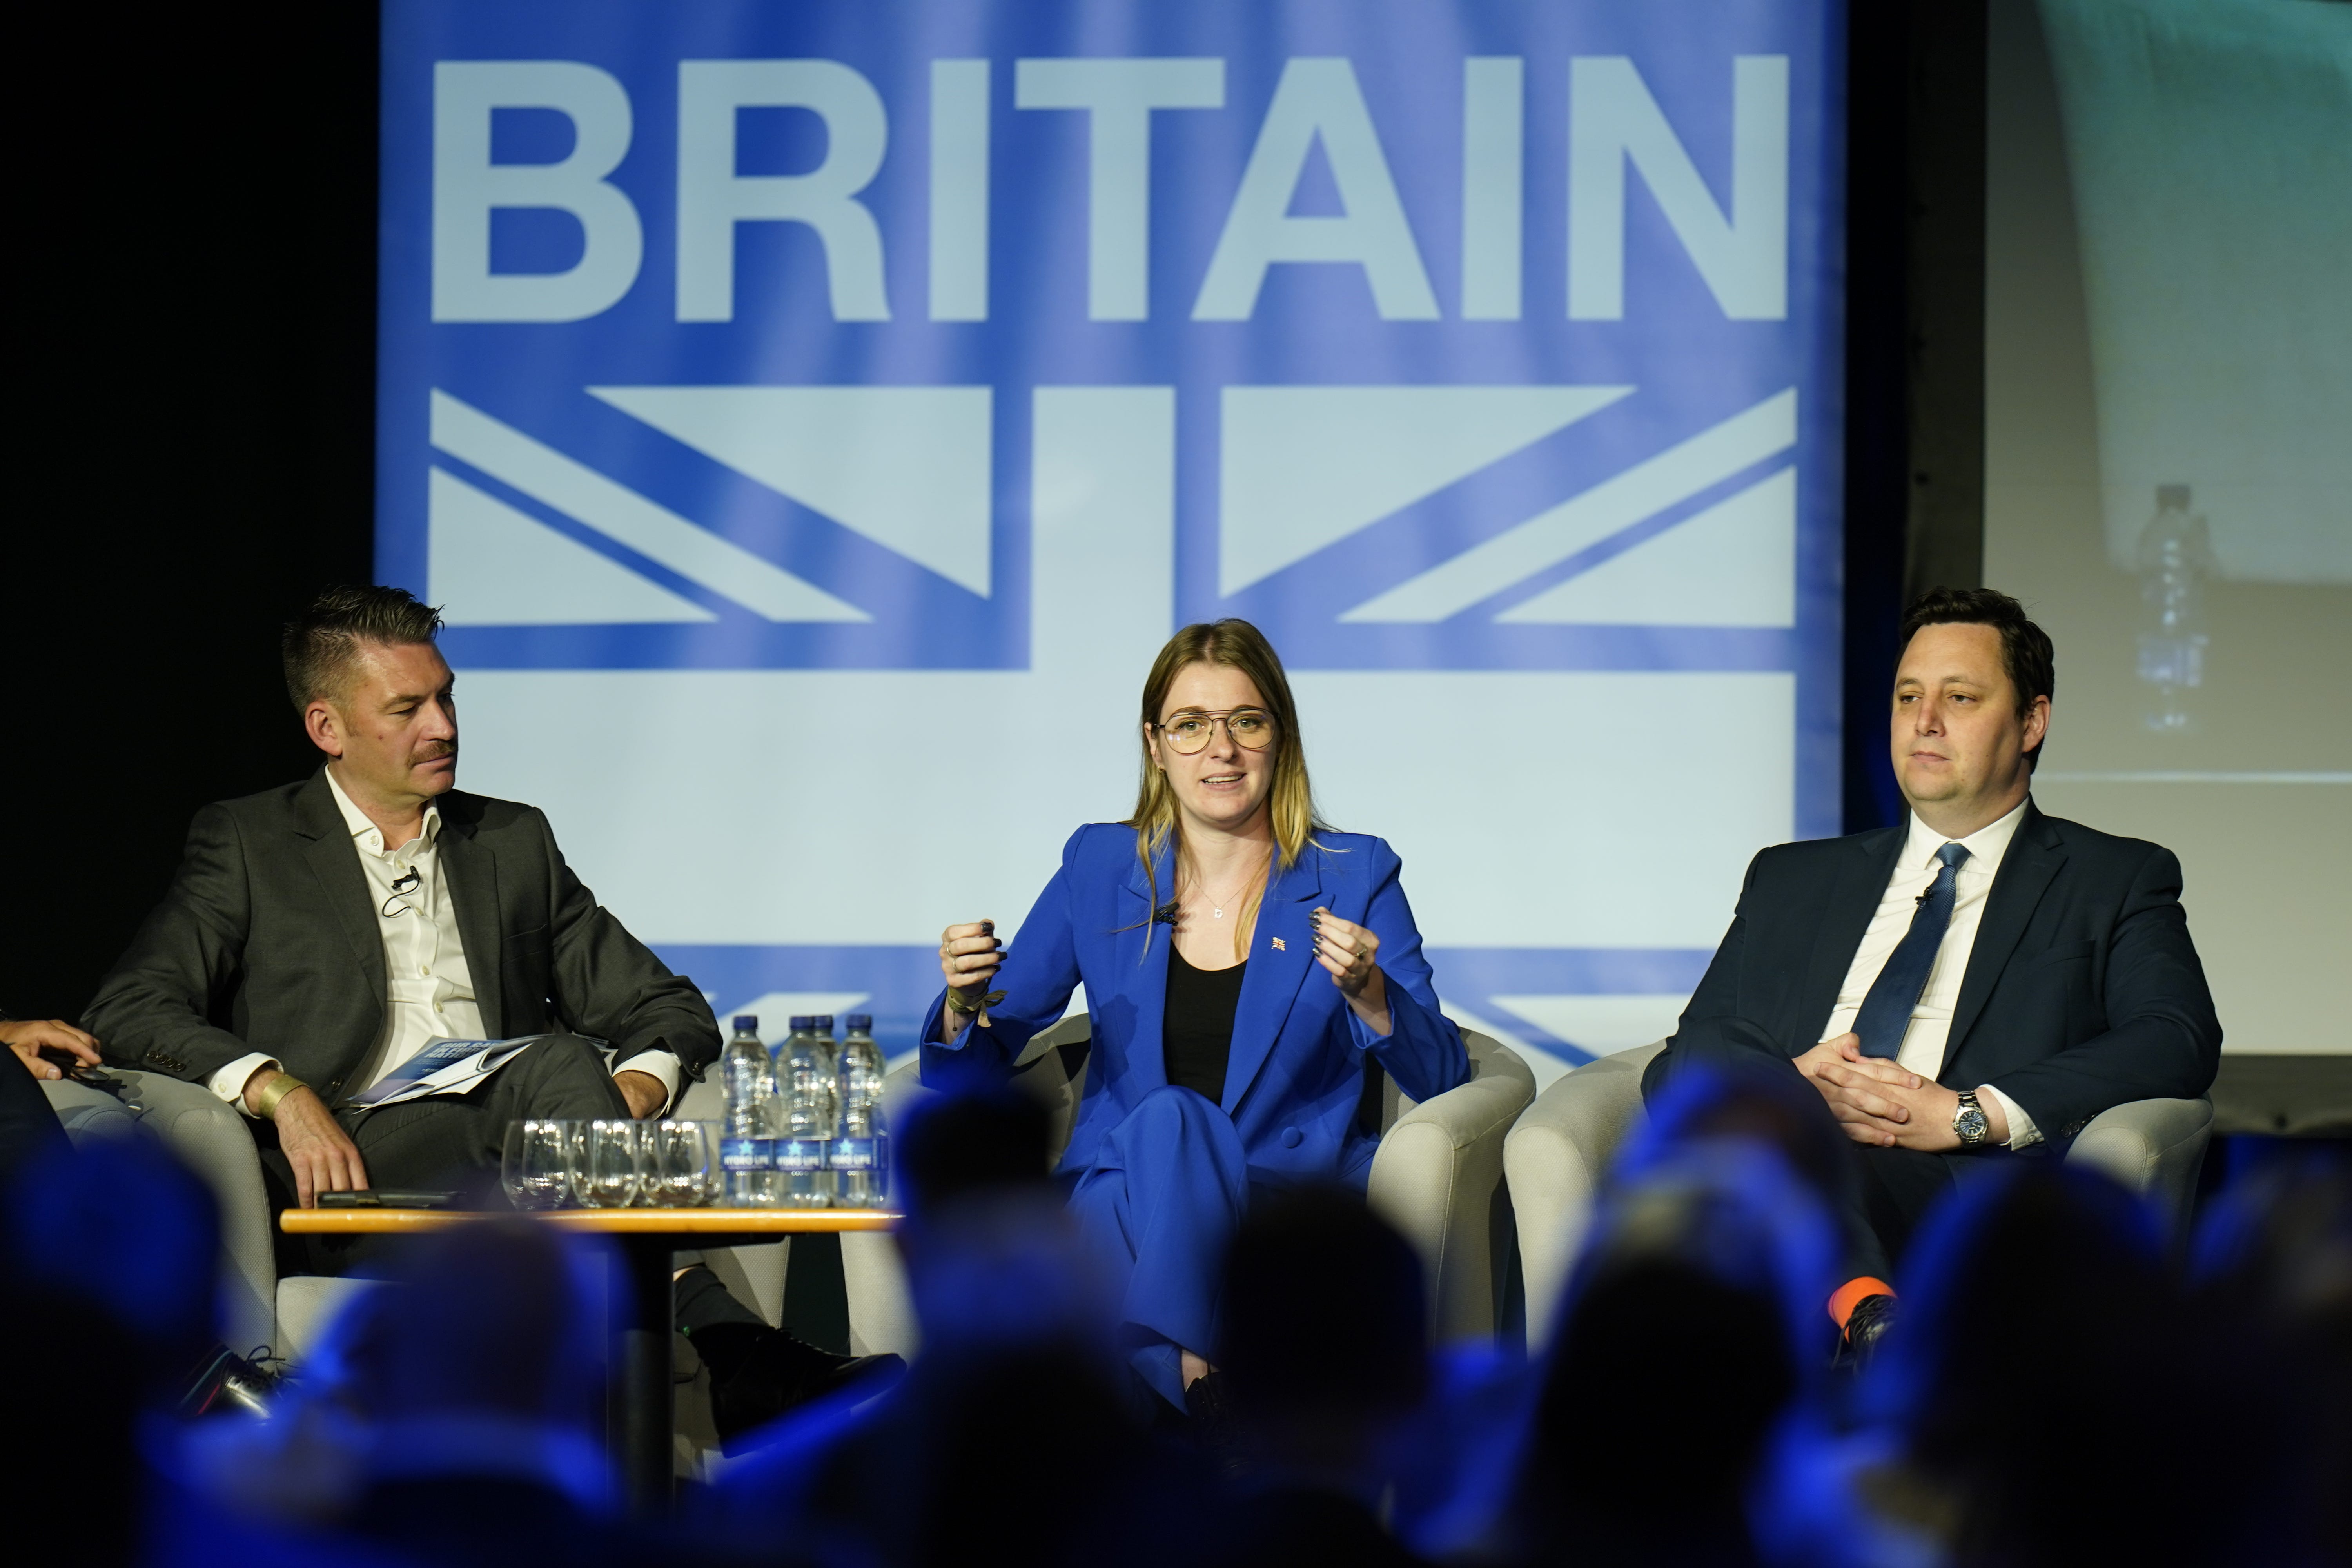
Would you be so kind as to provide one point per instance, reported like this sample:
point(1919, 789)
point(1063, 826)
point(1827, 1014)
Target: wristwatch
point(1970, 1121)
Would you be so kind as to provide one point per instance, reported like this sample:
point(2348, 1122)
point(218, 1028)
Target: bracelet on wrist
point(284, 1084)
point(957, 1002)
point(976, 1011)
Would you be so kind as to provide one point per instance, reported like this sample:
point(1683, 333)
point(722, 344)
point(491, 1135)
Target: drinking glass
point(575, 1158)
point(646, 1147)
point(710, 1186)
point(607, 1175)
point(680, 1165)
point(535, 1166)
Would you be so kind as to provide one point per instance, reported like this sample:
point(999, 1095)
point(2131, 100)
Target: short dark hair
point(319, 643)
point(2026, 653)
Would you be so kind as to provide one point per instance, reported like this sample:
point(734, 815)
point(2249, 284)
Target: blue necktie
point(1887, 1011)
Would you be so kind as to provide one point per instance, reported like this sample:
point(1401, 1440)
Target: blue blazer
point(1296, 1072)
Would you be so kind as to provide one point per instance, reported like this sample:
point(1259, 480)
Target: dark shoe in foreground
point(1213, 1428)
point(1864, 1327)
point(758, 1374)
point(227, 1381)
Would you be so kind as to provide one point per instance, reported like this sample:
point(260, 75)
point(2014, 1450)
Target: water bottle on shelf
point(812, 1108)
point(860, 1156)
point(2176, 558)
point(747, 1139)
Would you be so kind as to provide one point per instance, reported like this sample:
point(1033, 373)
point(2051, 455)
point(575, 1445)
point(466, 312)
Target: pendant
point(1216, 913)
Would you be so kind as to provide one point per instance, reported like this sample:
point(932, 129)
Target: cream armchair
point(1556, 1156)
point(1437, 1177)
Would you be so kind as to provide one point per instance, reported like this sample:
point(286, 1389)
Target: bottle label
point(798, 1154)
point(744, 1153)
point(854, 1154)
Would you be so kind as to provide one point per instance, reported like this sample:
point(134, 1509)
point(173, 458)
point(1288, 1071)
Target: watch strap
point(1971, 1103)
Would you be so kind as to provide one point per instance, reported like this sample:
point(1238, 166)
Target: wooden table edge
point(595, 1222)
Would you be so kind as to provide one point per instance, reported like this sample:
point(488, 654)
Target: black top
point(1197, 1027)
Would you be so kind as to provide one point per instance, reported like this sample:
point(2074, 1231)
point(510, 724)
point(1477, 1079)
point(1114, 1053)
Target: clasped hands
point(1877, 1102)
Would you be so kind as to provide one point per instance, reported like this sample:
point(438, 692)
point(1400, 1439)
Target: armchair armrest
point(1435, 1178)
point(2155, 1147)
point(1554, 1160)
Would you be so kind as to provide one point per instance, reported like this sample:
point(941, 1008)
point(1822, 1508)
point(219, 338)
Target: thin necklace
point(1217, 905)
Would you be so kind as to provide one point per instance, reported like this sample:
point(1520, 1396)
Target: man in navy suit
point(1981, 980)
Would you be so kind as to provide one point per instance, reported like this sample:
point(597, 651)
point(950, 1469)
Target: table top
point(600, 1222)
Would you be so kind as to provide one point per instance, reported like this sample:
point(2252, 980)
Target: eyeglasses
point(1191, 730)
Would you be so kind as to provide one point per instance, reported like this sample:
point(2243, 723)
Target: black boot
point(758, 1374)
point(1864, 1327)
point(225, 1380)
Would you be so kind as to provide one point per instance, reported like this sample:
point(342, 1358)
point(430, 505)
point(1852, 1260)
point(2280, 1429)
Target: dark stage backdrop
point(195, 325)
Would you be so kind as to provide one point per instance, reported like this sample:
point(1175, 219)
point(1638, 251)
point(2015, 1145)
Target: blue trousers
point(1162, 1201)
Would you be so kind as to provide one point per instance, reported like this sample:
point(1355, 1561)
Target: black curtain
point(196, 365)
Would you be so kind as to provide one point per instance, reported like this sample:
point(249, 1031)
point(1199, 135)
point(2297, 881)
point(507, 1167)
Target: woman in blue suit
point(1199, 927)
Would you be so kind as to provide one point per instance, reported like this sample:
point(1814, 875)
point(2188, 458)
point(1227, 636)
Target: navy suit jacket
point(2082, 991)
point(1296, 1076)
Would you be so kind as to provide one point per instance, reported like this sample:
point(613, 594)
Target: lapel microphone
point(408, 881)
point(1165, 914)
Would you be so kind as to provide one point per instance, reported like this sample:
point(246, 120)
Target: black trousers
point(446, 1141)
point(1886, 1193)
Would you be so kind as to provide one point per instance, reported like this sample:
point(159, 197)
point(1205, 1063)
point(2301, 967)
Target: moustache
point(433, 753)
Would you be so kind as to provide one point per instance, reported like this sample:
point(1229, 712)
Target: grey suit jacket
point(268, 941)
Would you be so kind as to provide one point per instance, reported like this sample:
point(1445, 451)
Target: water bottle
point(2176, 557)
point(747, 1139)
point(812, 1108)
point(860, 1157)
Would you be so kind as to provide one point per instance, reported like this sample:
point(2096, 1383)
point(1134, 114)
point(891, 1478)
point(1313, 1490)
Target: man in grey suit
point(319, 935)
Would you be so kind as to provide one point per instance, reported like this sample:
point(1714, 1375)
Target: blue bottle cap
point(747, 1023)
point(822, 1023)
point(803, 1021)
point(860, 1023)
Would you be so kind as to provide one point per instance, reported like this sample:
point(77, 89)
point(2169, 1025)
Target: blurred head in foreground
point(2047, 1385)
point(2272, 1275)
point(476, 1361)
point(1019, 1367)
point(1326, 1335)
point(1687, 1335)
point(1771, 1111)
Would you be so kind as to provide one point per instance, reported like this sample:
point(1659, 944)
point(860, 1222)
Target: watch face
point(1969, 1124)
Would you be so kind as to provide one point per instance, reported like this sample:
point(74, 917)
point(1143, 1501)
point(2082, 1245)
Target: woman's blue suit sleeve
point(1422, 1050)
point(1039, 973)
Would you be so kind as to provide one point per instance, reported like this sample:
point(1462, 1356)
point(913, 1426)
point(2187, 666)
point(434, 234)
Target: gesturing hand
point(1351, 954)
point(26, 1037)
point(970, 957)
point(324, 1158)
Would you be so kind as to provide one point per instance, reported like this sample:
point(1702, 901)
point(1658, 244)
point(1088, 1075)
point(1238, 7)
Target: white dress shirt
point(1925, 1038)
point(428, 990)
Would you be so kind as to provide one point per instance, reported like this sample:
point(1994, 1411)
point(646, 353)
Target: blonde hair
point(1290, 805)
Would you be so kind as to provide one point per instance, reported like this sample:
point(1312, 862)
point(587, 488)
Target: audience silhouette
point(2066, 1384)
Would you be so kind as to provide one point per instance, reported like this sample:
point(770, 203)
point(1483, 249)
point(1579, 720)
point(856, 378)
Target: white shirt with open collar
point(428, 990)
